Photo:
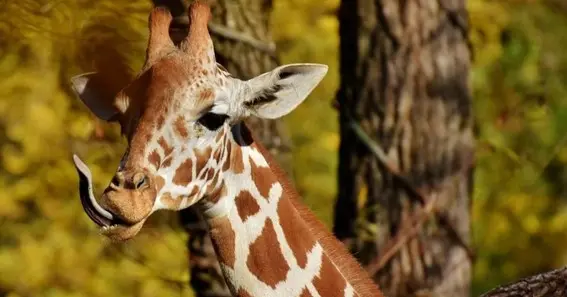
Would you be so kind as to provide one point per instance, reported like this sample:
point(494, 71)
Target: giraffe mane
point(334, 249)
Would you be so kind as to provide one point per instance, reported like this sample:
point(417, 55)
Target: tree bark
point(407, 144)
point(240, 31)
point(548, 284)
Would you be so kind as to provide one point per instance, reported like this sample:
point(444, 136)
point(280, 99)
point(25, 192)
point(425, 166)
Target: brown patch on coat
point(266, 260)
point(203, 157)
point(246, 205)
point(227, 161)
point(183, 173)
point(243, 293)
point(160, 182)
point(214, 195)
point(206, 95)
point(210, 173)
point(264, 178)
point(167, 150)
point(169, 202)
point(293, 227)
point(154, 159)
point(236, 159)
point(160, 121)
point(217, 154)
point(305, 293)
point(329, 282)
point(215, 179)
point(167, 162)
point(193, 191)
point(212, 176)
point(218, 137)
point(193, 194)
point(180, 127)
point(223, 239)
point(147, 136)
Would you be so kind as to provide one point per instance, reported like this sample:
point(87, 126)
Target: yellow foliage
point(312, 37)
point(48, 246)
point(488, 19)
point(518, 211)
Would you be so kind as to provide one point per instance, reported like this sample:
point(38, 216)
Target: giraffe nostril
point(114, 186)
point(117, 181)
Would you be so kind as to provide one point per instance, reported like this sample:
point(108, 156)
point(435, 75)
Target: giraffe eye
point(212, 121)
point(141, 183)
point(140, 180)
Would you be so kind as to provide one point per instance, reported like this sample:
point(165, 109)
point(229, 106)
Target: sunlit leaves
point(48, 246)
point(520, 108)
point(487, 19)
point(312, 37)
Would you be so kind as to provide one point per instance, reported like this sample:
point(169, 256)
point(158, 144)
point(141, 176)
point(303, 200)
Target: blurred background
point(49, 247)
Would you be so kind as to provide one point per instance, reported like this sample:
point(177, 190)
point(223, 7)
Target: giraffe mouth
point(96, 213)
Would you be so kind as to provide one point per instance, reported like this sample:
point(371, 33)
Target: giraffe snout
point(130, 199)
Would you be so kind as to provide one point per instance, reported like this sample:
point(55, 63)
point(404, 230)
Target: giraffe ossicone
point(188, 147)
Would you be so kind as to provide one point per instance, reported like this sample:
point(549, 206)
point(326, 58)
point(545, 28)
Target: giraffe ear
point(94, 95)
point(276, 93)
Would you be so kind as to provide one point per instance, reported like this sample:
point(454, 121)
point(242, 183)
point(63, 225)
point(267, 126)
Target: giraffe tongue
point(98, 214)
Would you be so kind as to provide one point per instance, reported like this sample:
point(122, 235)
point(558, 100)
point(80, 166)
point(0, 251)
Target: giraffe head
point(179, 116)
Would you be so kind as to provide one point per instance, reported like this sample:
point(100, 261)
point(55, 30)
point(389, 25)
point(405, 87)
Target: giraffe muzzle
point(96, 213)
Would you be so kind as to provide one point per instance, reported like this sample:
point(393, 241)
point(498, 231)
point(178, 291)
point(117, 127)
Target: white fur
point(300, 81)
point(289, 92)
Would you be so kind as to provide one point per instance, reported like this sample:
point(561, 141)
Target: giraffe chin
point(120, 232)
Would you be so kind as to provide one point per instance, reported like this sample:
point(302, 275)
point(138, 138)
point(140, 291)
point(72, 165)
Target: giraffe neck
point(269, 244)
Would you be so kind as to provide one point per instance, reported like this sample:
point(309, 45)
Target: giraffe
point(188, 147)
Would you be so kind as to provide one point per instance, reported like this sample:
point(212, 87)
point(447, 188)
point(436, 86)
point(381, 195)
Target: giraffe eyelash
point(212, 121)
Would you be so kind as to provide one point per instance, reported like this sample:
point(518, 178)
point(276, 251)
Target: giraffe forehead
point(195, 96)
point(196, 87)
point(174, 89)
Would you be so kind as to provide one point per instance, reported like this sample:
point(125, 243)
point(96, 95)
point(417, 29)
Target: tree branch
point(405, 234)
point(419, 218)
point(547, 284)
point(227, 33)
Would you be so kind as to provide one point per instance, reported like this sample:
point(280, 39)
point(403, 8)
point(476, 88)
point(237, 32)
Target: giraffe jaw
point(120, 232)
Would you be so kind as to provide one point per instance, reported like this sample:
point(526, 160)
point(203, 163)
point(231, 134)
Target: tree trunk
point(407, 144)
point(240, 31)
